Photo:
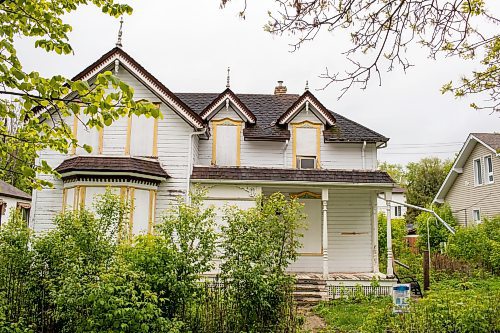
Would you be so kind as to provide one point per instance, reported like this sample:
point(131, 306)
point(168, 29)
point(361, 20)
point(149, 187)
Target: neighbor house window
point(3, 209)
point(478, 172)
point(488, 166)
point(397, 211)
point(476, 215)
point(226, 142)
point(24, 208)
point(306, 145)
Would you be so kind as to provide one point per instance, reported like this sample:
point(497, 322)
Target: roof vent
point(280, 89)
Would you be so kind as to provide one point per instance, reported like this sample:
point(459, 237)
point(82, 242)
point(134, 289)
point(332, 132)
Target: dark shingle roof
point(13, 192)
point(491, 139)
point(109, 164)
point(268, 109)
point(305, 175)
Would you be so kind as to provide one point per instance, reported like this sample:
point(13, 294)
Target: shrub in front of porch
point(258, 245)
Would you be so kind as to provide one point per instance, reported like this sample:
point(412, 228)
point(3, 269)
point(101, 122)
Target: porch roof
point(257, 174)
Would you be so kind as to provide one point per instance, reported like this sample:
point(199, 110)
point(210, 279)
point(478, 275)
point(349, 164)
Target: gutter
point(284, 153)
point(190, 162)
point(363, 155)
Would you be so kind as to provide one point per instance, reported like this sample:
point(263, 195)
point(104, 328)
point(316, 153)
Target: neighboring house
point(13, 198)
point(397, 210)
point(472, 187)
point(236, 146)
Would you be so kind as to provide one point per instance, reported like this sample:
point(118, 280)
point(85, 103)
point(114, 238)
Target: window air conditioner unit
point(306, 162)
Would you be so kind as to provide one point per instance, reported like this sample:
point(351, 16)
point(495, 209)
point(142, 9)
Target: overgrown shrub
point(479, 244)
point(438, 233)
point(258, 244)
point(89, 274)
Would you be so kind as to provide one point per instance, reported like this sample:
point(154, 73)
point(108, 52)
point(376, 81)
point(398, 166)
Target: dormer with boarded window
point(226, 116)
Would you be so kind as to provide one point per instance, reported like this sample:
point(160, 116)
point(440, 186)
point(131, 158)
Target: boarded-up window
point(306, 141)
point(86, 135)
point(226, 147)
point(142, 134)
point(311, 241)
point(141, 211)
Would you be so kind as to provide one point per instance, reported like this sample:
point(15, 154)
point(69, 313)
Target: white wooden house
point(237, 146)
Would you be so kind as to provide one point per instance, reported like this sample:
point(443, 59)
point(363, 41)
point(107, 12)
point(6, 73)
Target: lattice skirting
point(338, 291)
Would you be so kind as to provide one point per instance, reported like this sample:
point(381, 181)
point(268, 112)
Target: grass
point(349, 316)
point(465, 302)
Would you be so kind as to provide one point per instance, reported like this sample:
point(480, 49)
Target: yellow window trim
point(152, 199)
point(226, 122)
point(75, 133)
point(129, 130)
point(131, 195)
point(306, 124)
point(65, 198)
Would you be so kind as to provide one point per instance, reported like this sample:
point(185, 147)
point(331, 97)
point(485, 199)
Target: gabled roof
point(489, 140)
point(267, 108)
point(318, 109)
point(106, 62)
point(228, 96)
point(8, 190)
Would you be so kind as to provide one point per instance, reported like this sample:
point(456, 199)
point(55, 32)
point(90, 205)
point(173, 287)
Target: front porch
point(340, 234)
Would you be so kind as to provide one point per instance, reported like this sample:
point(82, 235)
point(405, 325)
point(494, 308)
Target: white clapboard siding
point(271, 154)
point(349, 211)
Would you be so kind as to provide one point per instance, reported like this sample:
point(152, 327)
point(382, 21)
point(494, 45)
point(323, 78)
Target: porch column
point(375, 262)
point(324, 200)
point(390, 269)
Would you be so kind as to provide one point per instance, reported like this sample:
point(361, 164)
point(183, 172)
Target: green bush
point(479, 244)
point(89, 274)
point(399, 246)
point(437, 231)
point(258, 244)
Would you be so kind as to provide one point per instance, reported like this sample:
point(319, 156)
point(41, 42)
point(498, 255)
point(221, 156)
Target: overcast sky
point(188, 45)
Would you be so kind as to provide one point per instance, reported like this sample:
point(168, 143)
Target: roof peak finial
point(228, 77)
point(120, 32)
point(307, 85)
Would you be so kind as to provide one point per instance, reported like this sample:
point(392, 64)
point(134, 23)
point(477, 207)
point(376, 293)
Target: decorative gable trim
point(227, 96)
point(146, 78)
point(305, 100)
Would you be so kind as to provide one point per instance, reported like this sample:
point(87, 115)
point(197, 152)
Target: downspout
point(190, 162)
point(284, 153)
point(363, 155)
point(447, 226)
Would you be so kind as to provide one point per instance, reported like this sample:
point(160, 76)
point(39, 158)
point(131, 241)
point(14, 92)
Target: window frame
point(487, 172)
point(475, 170)
point(478, 210)
point(300, 158)
point(306, 124)
point(226, 122)
point(398, 211)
